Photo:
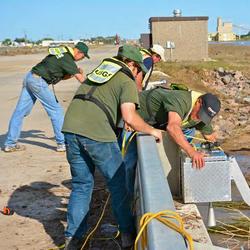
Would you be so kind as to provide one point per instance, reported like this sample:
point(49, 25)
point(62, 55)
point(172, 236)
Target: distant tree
point(246, 36)
point(20, 40)
point(38, 42)
point(47, 38)
point(7, 42)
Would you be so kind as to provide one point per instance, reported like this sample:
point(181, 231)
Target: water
point(226, 216)
point(235, 43)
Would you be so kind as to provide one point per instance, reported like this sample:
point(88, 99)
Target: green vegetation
point(192, 73)
point(245, 37)
point(232, 205)
point(7, 42)
point(238, 228)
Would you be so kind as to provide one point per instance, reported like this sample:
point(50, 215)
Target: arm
point(212, 137)
point(175, 131)
point(133, 120)
point(138, 80)
point(80, 77)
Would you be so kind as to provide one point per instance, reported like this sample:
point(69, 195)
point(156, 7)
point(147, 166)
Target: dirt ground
point(35, 182)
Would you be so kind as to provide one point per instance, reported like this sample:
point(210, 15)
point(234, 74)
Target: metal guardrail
point(155, 196)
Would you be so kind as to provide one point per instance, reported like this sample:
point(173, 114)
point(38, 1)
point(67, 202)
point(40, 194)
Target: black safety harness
point(89, 96)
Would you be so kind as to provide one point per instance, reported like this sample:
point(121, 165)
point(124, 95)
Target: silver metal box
point(209, 184)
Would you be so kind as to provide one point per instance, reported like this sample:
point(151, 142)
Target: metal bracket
point(240, 181)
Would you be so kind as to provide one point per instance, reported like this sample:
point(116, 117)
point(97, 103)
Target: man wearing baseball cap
point(83, 48)
point(210, 106)
point(150, 56)
point(108, 93)
point(58, 65)
point(179, 112)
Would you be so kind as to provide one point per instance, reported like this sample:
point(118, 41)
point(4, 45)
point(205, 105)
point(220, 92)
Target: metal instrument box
point(209, 184)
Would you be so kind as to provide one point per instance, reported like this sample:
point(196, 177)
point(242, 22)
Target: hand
point(157, 133)
point(127, 127)
point(212, 137)
point(80, 70)
point(198, 159)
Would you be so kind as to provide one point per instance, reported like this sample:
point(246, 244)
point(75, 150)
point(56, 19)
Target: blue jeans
point(35, 88)
point(129, 159)
point(84, 155)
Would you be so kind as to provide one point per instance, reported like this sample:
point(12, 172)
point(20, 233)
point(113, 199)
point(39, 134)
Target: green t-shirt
point(53, 69)
point(87, 119)
point(163, 101)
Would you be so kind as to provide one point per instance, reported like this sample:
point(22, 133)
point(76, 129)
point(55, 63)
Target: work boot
point(61, 148)
point(127, 240)
point(72, 243)
point(15, 148)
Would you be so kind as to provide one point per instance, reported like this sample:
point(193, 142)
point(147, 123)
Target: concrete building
point(185, 38)
point(225, 31)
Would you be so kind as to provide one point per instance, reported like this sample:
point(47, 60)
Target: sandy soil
point(35, 183)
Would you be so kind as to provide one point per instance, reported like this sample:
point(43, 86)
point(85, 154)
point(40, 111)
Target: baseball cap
point(210, 107)
point(133, 53)
point(159, 50)
point(83, 48)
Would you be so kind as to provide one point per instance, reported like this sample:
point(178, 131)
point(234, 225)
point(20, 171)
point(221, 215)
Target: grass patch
point(238, 228)
point(241, 205)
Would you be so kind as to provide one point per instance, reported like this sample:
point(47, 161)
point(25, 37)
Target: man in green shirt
point(174, 111)
point(58, 65)
point(108, 94)
point(177, 110)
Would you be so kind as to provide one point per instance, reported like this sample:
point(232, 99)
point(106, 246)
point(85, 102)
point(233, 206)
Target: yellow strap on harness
point(145, 52)
point(194, 97)
point(106, 70)
point(59, 51)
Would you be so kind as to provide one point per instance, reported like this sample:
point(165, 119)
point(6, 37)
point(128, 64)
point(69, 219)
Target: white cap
point(158, 49)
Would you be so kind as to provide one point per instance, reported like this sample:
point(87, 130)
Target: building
point(212, 36)
point(46, 43)
point(146, 40)
point(225, 31)
point(185, 38)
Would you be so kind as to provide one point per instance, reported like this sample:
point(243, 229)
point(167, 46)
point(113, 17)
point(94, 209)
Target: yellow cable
point(98, 222)
point(124, 143)
point(204, 140)
point(163, 217)
point(197, 138)
point(129, 141)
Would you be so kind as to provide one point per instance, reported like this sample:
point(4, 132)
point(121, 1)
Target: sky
point(76, 19)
